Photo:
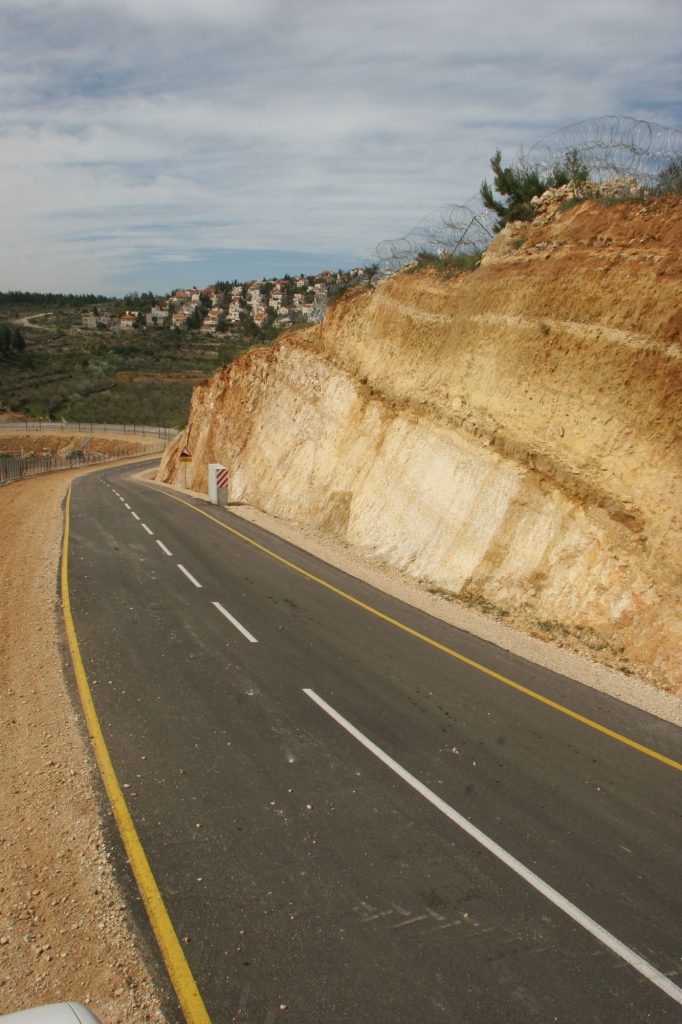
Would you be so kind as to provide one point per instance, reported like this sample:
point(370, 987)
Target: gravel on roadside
point(65, 929)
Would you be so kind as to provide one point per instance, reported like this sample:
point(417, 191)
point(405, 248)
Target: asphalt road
point(313, 876)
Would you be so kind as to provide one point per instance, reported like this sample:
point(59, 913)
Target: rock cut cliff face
point(509, 435)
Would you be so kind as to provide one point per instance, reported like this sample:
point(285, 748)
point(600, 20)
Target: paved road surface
point(299, 864)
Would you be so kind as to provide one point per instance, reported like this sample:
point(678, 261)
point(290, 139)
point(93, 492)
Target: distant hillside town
point(275, 303)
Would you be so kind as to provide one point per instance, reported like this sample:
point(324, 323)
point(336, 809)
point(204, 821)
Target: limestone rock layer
point(510, 435)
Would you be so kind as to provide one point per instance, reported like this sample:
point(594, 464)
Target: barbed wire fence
point(643, 156)
point(454, 230)
point(619, 147)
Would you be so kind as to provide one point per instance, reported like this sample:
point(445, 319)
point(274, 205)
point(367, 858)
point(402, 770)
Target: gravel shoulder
point(65, 929)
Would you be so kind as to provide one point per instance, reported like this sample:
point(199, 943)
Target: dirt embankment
point(65, 929)
point(27, 443)
point(508, 437)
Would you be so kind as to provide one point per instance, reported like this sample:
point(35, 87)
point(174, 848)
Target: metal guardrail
point(14, 467)
point(89, 428)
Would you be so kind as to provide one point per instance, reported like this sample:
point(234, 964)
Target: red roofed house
point(127, 320)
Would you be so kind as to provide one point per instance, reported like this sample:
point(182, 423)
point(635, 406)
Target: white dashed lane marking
point(235, 622)
point(216, 604)
point(188, 575)
point(580, 917)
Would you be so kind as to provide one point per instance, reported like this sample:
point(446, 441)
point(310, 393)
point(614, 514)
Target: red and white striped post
point(218, 479)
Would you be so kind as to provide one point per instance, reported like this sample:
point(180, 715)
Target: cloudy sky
point(148, 144)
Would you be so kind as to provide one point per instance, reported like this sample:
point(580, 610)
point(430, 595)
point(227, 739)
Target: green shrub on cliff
point(518, 184)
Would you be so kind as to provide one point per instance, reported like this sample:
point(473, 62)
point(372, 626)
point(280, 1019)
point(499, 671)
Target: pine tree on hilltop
point(518, 185)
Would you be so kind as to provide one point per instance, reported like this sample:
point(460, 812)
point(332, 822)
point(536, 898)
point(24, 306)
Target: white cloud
point(137, 131)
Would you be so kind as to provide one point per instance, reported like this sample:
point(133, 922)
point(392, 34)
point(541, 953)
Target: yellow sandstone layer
point(510, 435)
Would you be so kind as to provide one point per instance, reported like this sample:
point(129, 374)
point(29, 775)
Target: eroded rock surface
point(509, 435)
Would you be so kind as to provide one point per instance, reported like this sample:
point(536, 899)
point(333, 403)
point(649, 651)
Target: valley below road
point(353, 810)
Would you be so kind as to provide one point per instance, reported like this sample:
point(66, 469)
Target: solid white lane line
point(135, 515)
point(126, 505)
point(590, 925)
point(164, 548)
point(145, 527)
point(235, 622)
point(188, 575)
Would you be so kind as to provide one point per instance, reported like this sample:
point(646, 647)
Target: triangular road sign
point(185, 455)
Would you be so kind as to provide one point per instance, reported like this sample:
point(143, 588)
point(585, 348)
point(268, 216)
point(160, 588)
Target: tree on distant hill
point(519, 184)
point(48, 299)
point(13, 346)
point(195, 319)
point(11, 339)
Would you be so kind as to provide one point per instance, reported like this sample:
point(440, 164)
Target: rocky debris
point(553, 198)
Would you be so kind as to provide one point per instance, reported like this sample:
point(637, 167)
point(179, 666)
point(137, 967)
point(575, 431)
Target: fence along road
point(19, 468)
point(28, 426)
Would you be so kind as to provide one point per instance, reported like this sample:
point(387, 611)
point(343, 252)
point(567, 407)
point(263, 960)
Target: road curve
point(355, 812)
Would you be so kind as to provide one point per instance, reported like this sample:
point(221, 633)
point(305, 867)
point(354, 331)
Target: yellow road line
point(171, 950)
point(434, 643)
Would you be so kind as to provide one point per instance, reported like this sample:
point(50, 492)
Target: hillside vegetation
point(65, 370)
point(88, 358)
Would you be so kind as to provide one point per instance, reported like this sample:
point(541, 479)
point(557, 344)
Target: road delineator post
point(218, 478)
